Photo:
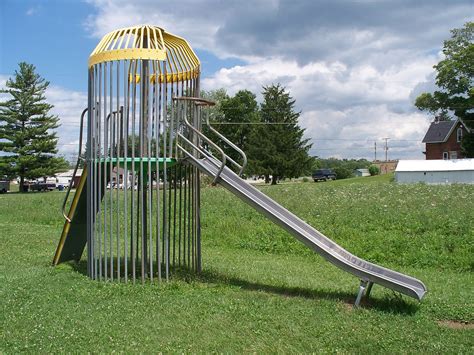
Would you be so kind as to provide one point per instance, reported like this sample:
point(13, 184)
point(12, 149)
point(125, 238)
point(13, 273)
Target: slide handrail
point(79, 158)
point(203, 102)
point(232, 145)
point(202, 136)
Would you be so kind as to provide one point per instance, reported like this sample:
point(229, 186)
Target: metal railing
point(197, 147)
point(202, 150)
point(79, 159)
point(232, 145)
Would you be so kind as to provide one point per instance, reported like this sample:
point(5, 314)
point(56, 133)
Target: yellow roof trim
point(124, 54)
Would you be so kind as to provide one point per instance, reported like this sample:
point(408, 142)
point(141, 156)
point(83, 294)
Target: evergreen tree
point(277, 146)
point(26, 128)
point(455, 77)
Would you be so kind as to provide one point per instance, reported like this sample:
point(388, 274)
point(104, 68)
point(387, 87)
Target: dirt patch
point(348, 304)
point(347, 307)
point(453, 324)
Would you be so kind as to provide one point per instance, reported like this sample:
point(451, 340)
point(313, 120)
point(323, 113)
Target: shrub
point(343, 173)
point(374, 170)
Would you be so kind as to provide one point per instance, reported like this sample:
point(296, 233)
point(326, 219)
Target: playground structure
point(137, 206)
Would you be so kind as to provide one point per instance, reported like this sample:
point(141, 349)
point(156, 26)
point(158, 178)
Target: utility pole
point(375, 150)
point(386, 148)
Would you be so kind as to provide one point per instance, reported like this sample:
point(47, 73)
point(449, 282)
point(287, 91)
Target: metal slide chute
point(367, 272)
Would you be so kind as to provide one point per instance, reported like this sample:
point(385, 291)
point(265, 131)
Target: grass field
point(260, 290)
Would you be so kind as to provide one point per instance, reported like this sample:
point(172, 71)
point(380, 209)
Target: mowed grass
point(260, 290)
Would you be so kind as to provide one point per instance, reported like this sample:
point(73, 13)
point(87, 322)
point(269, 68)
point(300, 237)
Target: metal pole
point(88, 165)
point(98, 197)
point(132, 212)
point(126, 84)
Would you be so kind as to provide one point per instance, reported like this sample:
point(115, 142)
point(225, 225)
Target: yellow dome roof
point(152, 43)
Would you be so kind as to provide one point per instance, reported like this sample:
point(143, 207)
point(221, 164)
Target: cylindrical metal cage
point(143, 216)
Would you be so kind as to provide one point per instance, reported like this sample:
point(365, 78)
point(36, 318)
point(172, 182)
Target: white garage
point(456, 171)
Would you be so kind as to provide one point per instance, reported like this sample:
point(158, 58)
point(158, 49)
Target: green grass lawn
point(260, 290)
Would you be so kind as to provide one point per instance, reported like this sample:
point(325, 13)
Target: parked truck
point(48, 185)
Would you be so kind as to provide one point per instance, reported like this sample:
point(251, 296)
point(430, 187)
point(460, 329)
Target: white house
point(456, 171)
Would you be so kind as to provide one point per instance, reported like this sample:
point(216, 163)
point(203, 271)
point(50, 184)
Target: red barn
point(443, 140)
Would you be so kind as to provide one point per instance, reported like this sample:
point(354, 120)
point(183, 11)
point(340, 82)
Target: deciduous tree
point(455, 76)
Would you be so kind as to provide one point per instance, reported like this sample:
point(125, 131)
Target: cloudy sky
point(354, 67)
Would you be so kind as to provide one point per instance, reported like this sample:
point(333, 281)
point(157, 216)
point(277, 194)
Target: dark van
point(324, 175)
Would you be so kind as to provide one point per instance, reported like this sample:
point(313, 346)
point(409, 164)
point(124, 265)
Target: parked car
point(43, 186)
point(4, 186)
point(324, 175)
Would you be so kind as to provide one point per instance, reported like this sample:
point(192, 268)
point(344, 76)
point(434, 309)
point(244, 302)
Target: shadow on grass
point(394, 304)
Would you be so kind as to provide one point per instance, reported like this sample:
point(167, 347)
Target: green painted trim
point(137, 161)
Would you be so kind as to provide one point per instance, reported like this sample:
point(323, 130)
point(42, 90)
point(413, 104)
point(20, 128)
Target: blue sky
point(354, 67)
point(51, 34)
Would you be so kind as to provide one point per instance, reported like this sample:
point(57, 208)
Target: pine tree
point(27, 138)
point(277, 146)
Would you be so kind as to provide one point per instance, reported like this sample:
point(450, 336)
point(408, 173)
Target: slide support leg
point(362, 288)
point(369, 288)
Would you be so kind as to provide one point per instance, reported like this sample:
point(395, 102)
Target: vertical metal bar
point(193, 201)
point(150, 182)
point(98, 208)
point(106, 177)
point(158, 142)
point(189, 216)
point(174, 214)
point(185, 213)
point(196, 83)
point(126, 88)
point(117, 165)
point(169, 216)
point(93, 165)
point(90, 234)
point(165, 177)
point(111, 149)
point(141, 187)
point(132, 212)
point(180, 176)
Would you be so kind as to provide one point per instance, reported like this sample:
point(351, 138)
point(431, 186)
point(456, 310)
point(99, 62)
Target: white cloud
point(68, 106)
point(354, 67)
point(341, 106)
point(353, 131)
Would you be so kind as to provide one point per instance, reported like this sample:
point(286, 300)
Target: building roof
point(69, 173)
point(439, 131)
point(435, 165)
point(362, 170)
